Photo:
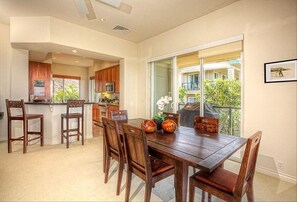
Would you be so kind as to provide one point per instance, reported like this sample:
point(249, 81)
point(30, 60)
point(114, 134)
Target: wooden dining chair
point(24, 117)
point(119, 115)
point(113, 149)
point(227, 185)
point(75, 110)
point(148, 168)
point(206, 124)
point(172, 116)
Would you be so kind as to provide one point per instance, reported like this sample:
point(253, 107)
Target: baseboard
point(278, 175)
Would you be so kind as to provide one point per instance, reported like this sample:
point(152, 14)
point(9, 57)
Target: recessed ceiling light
point(76, 61)
point(102, 19)
point(74, 51)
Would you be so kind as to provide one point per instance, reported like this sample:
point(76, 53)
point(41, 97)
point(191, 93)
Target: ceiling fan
point(86, 8)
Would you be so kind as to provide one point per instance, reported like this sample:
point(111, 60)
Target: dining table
point(188, 147)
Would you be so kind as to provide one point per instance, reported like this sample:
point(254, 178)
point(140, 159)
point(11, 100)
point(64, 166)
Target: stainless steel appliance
point(109, 87)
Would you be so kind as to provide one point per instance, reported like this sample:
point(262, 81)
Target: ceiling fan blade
point(85, 7)
point(91, 14)
point(117, 4)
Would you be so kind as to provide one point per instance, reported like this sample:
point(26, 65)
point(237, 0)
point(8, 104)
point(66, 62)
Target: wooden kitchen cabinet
point(96, 113)
point(111, 74)
point(111, 108)
point(40, 72)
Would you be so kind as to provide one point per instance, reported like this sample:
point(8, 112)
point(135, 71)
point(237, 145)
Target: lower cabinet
point(111, 108)
point(96, 113)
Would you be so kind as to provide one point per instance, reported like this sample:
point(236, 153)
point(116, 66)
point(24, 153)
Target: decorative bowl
point(169, 126)
point(149, 126)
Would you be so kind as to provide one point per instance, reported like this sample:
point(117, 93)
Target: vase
point(159, 123)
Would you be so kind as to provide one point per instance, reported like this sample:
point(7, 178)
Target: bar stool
point(72, 113)
point(24, 117)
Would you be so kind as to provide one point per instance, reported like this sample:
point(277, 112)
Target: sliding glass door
point(162, 82)
point(202, 83)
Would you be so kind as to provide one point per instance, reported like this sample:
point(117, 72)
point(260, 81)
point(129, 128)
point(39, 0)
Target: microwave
point(109, 87)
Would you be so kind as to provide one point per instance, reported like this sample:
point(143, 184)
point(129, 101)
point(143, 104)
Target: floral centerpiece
point(161, 103)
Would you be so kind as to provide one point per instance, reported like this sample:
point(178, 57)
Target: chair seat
point(72, 115)
point(221, 179)
point(28, 116)
point(159, 166)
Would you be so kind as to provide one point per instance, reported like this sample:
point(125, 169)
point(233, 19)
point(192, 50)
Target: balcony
point(191, 86)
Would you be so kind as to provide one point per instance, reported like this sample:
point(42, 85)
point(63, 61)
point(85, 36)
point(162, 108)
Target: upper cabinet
point(111, 74)
point(39, 80)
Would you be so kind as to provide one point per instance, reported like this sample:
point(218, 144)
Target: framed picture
point(280, 71)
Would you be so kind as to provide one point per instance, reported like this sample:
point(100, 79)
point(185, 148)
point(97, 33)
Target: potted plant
point(159, 117)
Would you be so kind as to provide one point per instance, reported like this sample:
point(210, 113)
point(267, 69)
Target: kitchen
point(67, 76)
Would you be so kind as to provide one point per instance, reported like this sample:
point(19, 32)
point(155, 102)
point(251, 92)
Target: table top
point(201, 150)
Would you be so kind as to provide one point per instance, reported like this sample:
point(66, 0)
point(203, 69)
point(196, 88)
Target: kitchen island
point(52, 120)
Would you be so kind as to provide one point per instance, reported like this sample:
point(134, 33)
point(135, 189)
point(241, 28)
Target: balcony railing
point(229, 120)
point(191, 85)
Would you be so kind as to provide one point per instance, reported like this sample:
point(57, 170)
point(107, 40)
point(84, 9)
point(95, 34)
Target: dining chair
point(141, 163)
point(206, 124)
point(119, 115)
point(24, 117)
point(172, 116)
point(227, 185)
point(75, 110)
point(113, 148)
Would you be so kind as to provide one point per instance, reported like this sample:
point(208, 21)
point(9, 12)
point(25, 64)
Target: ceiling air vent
point(120, 29)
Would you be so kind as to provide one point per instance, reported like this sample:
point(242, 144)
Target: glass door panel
point(162, 73)
point(222, 92)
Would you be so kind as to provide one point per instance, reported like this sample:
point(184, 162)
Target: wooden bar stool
point(24, 117)
point(71, 114)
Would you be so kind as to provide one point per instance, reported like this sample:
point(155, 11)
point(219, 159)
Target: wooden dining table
point(188, 147)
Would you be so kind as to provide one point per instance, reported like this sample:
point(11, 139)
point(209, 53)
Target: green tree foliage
point(70, 92)
point(181, 94)
point(225, 93)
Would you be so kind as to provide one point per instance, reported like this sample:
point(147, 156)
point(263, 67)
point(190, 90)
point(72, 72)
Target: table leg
point(181, 179)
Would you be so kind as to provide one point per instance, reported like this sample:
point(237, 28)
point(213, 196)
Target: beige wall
point(58, 32)
point(269, 29)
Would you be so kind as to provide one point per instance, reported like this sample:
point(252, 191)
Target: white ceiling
point(148, 18)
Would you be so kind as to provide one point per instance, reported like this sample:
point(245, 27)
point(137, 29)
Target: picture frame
point(280, 71)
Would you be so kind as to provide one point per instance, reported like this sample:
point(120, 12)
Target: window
point(65, 88)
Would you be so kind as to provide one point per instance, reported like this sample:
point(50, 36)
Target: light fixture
point(74, 51)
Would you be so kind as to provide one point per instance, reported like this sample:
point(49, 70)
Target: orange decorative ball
point(149, 126)
point(169, 126)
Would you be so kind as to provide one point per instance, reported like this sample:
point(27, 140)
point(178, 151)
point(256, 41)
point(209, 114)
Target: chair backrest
point(206, 124)
point(136, 151)
point(12, 104)
point(248, 164)
point(75, 104)
point(112, 137)
point(172, 116)
point(119, 115)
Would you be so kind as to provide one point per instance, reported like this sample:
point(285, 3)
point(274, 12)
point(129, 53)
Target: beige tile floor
point(54, 173)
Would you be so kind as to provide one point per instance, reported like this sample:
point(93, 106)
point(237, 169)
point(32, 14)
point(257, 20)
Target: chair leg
point(120, 176)
point(148, 191)
point(203, 195)
point(128, 185)
point(25, 132)
point(250, 192)
point(62, 128)
point(82, 131)
point(209, 197)
point(41, 132)
point(191, 191)
point(67, 133)
point(107, 166)
point(78, 127)
point(9, 136)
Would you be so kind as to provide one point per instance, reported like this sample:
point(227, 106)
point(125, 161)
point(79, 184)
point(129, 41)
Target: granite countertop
point(53, 103)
